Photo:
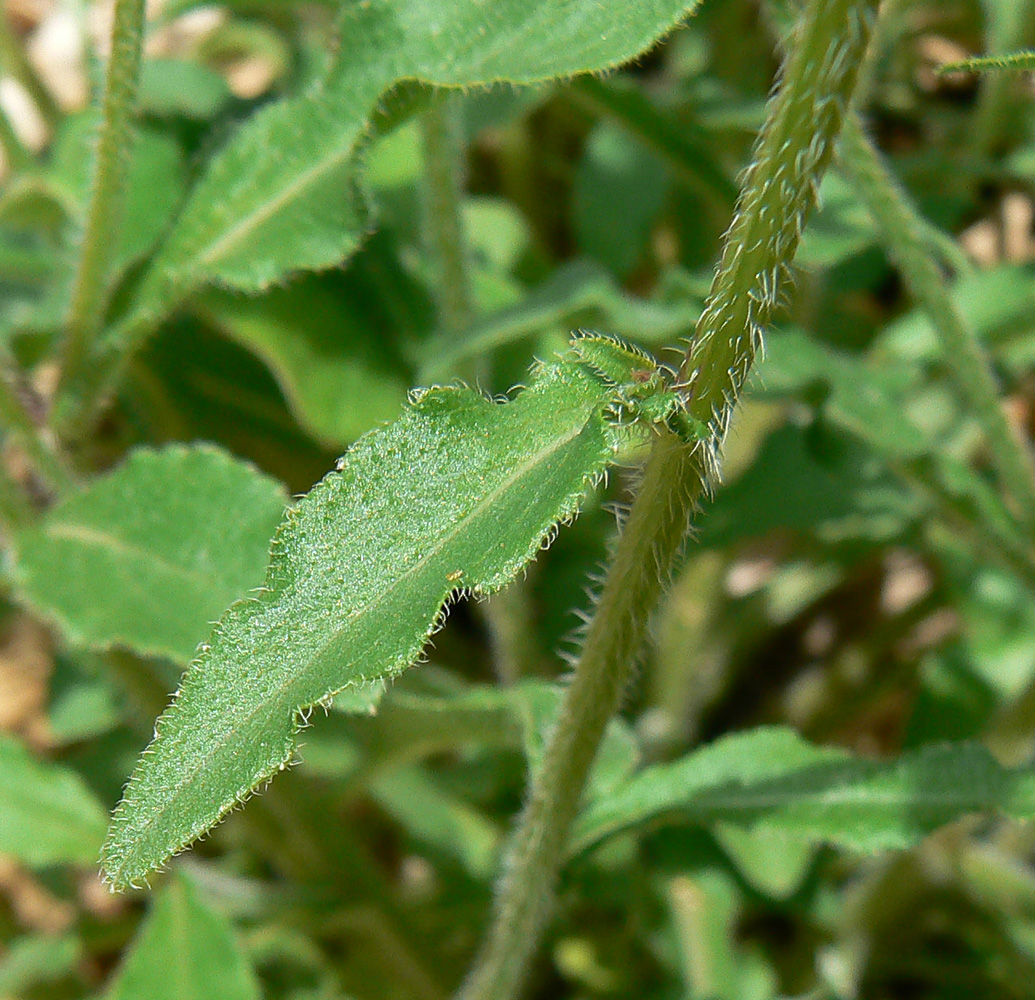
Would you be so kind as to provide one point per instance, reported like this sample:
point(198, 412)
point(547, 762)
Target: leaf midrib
point(94, 537)
point(484, 504)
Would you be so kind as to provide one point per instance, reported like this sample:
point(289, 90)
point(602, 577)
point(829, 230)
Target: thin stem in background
point(91, 291)
point(16, 154)
point(14, 63)
point(444, 235)
point(791, 155)
point(961, 351)
point(17, 419)
point(507, 613)
point(15, 509)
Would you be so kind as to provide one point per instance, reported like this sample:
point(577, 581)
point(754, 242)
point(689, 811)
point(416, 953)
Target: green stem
point(17, 155)
point(15, 64)
point(961, 351)
point(443, 221)
point(790, 157)
point(90, 291)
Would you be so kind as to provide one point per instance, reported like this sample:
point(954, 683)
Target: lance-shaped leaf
point(771, 779)
point(253, 217)
point(457, 495)
point(184, 951)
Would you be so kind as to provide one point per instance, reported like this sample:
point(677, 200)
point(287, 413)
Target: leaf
point(327, 346)
point(770, 779)
point(33, 959)
point(454, 497)
point(788, 488)
point(576, 294)
point(619, 190)
point(184, 951)
point(864, 396)
point(417, 719)
point(47, 814)
point(176, 87)
point(161, 546)
point(439, 818)
point(252, 217)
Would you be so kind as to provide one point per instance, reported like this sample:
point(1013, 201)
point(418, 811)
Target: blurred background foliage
point(840, 582)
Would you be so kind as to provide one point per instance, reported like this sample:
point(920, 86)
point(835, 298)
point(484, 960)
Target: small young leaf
point(184, 951)
point(47, 815)
point(770, 779)
point(456, 496)
point(161, 546)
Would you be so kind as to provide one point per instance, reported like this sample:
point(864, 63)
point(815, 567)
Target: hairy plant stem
point(14, 63)
point(793, 150)
point(961, 351)
point(90, 290)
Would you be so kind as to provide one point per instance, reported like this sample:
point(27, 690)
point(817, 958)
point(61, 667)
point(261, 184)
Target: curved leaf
point(161, 546)
point(254, 217)
point(771, 779)
point(456, 496)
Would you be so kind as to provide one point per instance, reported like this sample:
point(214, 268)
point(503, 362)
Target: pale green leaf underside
point(184, 951)
point(253, 216)
point(161, 546)
point(770, 779)
point(47, 815)
point(458, 494)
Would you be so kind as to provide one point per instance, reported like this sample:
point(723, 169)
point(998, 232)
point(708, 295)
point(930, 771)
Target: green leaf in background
point(252, 217)
point(620, 188)
point(454, 497)
point(176, 87)
point(33, 959)
point(332, 365)
point(161, 546)
point(576, 294)
point(995, 303)
point(47, 814)
point(184, 951)
point(771, 779)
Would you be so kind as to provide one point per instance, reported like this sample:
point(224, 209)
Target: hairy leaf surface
point(47, 815)
point(457, 495)
point(184, 951)
point(771, 779)
point(161, 546)
point(254, 216)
